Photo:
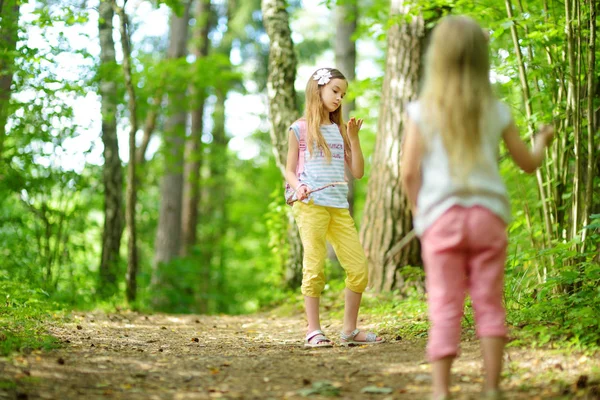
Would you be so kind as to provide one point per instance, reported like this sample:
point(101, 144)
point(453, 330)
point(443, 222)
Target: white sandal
point(319, 339)
point(348, 340)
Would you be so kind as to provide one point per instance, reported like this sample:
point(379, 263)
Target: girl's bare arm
point(357, 161)
point(290, 167)
point(527, 160)
point(410, 163)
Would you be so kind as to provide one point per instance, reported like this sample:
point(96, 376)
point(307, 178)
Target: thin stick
point(400, 245)
point(291, 201)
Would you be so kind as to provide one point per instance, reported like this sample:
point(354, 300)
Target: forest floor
point(128, 355)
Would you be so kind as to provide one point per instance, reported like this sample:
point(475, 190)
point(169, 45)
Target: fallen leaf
point(376, 390)
point(322, 388)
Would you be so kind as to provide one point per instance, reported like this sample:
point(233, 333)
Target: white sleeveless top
point(483, 186)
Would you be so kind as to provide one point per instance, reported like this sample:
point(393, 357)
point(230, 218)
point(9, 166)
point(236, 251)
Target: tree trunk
point(546, 217)
point(167, 243)
point(214, 214)
point(132, 254)
point(112, 173)
point(591, 93)
point(193, 150)
point(9, 13)
point(149, 125)
point(573, 105)
point(346, 16)
point(387, 218)
point(282, 110)
point(345, 60)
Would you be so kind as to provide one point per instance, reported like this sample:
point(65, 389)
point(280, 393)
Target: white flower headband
point(322, 76)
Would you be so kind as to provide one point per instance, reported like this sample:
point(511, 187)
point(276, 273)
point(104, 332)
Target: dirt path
point(132, 356)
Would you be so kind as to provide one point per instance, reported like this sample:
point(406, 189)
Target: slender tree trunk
point(215, 213)
point(132, 254)
point(591, 93)
point(168, 234)
point(282, 110)
point(9, 12)
point(530, 52)
point(387, 219)
point(549, 232)
point(547, 176)
point(193, 150)
point(555, 171)
point(282, 74)
point(112, 172)
point(346, 15)
point(574, 106)
point(149, 126)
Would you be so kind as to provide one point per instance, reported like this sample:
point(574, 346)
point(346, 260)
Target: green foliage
point(277, 224)
point(23, 314)
point(178, 6)
point(45, 228)
point(403, 316)
point(254, 271)
point(564, 304)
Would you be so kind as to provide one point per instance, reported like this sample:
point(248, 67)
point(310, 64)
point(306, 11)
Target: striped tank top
point(319, 172)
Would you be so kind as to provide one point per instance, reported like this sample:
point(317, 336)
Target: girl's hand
point(302, 192)
point(546, 134)
point(354, 126)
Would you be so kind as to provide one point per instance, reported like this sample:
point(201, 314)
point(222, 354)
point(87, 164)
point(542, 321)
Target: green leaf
point(321, 388)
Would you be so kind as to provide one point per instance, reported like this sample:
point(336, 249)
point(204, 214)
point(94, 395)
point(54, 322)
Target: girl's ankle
point(347, 332)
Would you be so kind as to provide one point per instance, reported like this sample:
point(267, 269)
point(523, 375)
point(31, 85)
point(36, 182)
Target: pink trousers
point(464, 251)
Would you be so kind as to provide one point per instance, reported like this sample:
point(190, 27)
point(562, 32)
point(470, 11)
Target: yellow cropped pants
point(317, 225)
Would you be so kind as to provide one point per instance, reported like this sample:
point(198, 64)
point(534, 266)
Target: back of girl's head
point(457, 90)
point(458, 49)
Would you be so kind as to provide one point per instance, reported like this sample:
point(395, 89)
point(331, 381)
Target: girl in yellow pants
point(320, 146)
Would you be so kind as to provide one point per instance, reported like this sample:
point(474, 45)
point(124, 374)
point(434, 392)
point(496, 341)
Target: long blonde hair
point(313, 112)
point(457, 91)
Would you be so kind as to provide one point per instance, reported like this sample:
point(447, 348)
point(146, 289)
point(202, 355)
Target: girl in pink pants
point(460, 204)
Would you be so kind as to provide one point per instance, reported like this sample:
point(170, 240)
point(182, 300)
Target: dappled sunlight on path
point(134, 356)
